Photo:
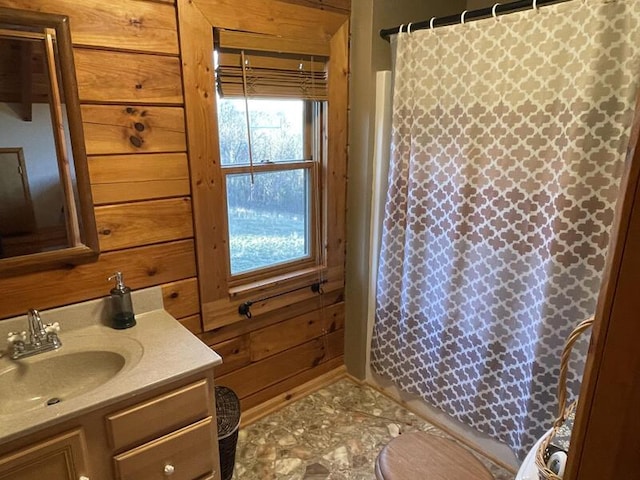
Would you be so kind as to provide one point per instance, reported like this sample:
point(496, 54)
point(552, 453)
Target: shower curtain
point(508, 144)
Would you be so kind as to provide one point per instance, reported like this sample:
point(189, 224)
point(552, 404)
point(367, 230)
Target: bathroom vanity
point(110, 404)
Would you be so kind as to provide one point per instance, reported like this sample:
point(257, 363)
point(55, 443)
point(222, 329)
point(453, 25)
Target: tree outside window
point(269, 218)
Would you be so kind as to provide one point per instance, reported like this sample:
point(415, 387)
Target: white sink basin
point(75, 369)
point(96, 367)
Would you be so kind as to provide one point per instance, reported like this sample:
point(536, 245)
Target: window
point(272, 174)
point(270, 215)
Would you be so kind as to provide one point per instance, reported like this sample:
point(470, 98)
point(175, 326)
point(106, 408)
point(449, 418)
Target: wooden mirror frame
point(81, 225)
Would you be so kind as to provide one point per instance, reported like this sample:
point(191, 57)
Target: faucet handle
point(52, 327)
point(13, 337)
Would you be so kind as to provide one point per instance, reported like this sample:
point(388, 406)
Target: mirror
point(46, 211)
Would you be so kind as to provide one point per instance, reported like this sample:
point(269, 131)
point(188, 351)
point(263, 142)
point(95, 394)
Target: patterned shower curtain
point(509, 140)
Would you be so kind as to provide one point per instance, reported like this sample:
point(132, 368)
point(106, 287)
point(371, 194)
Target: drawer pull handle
point(169, 469)
point(83, 477)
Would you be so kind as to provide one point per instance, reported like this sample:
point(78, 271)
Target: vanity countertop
point(158, 351)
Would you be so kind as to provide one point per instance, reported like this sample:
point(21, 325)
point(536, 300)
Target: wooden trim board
point(605, 441)
point(254, 414)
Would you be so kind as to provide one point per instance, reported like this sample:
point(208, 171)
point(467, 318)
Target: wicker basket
point(563, 411)
point(228, 416)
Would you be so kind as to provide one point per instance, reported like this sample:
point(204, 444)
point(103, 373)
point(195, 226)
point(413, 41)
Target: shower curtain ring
point(433, 19)
point(409, 28)
point(462, 16)
point(535, 5)
point(400, 29)
point(494, 12)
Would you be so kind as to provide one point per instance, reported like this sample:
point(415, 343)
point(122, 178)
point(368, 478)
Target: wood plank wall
point(128, 67)
point(339, 6)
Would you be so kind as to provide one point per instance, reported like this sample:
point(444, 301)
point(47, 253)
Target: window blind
point(275, 73)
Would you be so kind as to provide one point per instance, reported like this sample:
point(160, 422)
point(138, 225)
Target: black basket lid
point(227, 411)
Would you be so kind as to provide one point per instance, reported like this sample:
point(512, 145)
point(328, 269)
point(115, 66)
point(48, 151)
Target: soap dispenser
point(122, 315)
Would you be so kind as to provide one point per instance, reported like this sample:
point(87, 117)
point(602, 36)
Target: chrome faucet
point(42, 337)
point(37, 335)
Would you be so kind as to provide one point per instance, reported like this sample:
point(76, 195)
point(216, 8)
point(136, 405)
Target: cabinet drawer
point(188, 452)
point(158, 416)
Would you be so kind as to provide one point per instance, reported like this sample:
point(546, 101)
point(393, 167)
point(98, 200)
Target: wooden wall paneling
point(118, 77)
point(44, 238)
point(181, 298)
point(286, 282)
point(272, 18)
point(289, 390)
point(279, 294)
point(142, 223)
point(259, 344)
point(126, 178)
point(284, 335)
point(170, 2)
point(336, 170)
point(196, 51)
point(115, 24)
point(26, 76)
point(340, 6)
point(13, 88)
point(218, 335)
point(605, 441)
point(142, 266)
point(132, 190)
point(107, 75)
point(196, 45)
point(231, 334)
point(192, 323)
point(225, 311)
point(333, 345)
point(268, 43)
point(265, 373)
point(235, 354)
point(131, 129)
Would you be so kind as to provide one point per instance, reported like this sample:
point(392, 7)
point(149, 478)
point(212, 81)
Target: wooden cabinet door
point(63, 457)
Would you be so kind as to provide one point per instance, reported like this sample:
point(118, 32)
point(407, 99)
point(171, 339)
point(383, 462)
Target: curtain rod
point(471, 15)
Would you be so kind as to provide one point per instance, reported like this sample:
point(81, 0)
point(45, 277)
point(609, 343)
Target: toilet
point(528, 469)
point(422, 456)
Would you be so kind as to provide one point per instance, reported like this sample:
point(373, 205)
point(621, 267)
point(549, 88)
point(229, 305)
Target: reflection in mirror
point(46, 215)
point(32, 209)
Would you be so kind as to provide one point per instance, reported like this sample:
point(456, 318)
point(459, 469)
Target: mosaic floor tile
point(332, 434)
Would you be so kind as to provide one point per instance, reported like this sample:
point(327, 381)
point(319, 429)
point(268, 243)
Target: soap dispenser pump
point(122, 315)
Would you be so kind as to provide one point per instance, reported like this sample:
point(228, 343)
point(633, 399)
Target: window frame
point(314, 130)
point(324, 34)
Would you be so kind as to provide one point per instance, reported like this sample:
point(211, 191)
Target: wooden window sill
point(280, 283)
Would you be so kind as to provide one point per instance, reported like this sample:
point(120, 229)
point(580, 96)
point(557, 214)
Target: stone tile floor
point(332, 434)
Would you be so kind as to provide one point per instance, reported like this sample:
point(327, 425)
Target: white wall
point(36, 139)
